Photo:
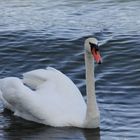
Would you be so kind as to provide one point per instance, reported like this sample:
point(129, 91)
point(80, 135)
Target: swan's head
point(92, 47)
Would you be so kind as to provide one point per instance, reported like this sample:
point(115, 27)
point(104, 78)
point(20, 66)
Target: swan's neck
point(92, 114)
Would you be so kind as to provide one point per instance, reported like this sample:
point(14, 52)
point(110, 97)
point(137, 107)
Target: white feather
point(56, 101)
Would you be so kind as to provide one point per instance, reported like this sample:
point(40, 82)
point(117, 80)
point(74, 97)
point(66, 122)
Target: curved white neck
point(92, 114)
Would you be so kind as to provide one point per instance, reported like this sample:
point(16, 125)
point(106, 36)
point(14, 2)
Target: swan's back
point(56, 101)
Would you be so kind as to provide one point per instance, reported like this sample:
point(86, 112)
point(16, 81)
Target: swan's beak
point(96, 55)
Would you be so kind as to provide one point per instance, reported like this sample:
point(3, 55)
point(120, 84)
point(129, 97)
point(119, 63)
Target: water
point(37, 34)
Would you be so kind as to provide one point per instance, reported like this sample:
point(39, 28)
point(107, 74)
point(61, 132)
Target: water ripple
point(36, 35)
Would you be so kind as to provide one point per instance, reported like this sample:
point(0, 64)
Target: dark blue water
point(37, 34)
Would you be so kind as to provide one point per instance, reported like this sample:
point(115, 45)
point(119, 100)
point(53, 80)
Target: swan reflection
point(21, 129)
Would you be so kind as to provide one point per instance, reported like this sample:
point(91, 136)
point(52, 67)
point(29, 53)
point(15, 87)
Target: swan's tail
point(5, 103)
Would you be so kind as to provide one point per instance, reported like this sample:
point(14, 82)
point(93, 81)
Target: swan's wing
point(34, 78)
point(20, 99)
point(63, 99)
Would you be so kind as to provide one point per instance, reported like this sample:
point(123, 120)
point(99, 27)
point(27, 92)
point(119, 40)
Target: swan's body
point(54, 100)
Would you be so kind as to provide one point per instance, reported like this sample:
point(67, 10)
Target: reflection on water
point(21, 129)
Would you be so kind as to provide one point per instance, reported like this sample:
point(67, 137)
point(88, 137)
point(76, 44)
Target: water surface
point(37, 34)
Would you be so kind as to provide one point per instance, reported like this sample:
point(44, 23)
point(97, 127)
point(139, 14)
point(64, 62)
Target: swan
point(49, 97)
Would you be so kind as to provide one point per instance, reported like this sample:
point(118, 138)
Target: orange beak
point(96, 55)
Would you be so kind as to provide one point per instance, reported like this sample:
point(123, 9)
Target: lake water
point(37, 34)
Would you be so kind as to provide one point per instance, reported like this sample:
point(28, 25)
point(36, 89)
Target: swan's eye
point(94, 46)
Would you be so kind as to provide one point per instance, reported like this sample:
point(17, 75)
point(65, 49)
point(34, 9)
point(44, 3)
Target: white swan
point(53, 99)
